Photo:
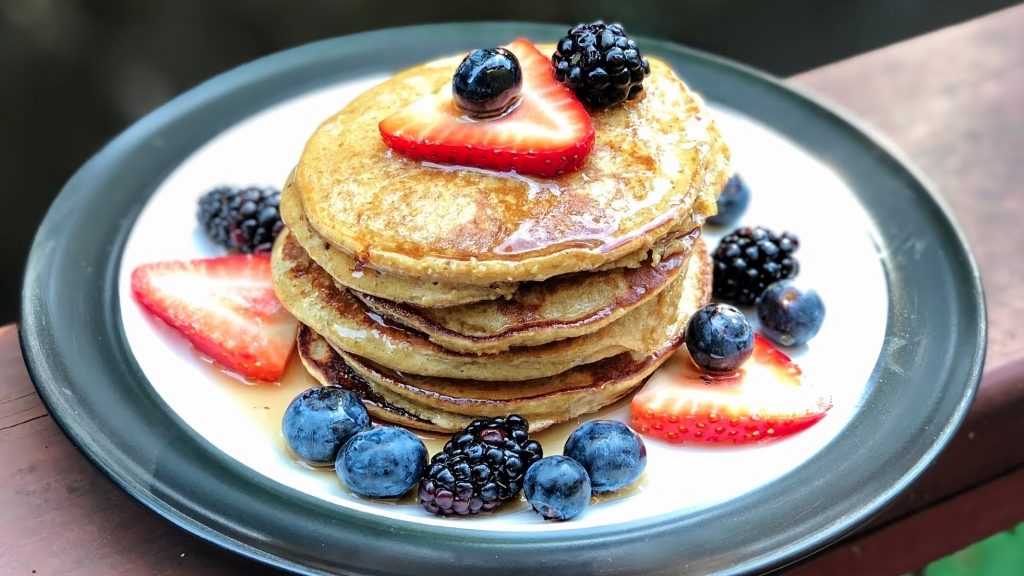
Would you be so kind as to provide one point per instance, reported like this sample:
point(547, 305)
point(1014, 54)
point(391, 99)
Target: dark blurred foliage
point(75, 73)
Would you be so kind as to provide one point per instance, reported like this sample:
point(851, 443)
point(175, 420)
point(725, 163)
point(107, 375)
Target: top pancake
point(657, 165)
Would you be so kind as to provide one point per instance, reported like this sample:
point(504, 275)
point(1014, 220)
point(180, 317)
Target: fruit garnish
point(242, 219)
point(318, 422)
point(748, 259)
point(790, 314)
point(613, 455)
point(381, 462)
point(765, 399)
point(226, 307)
point(719, 339)
point(548, 133)
point(488, 82)
point(558, 488)
point(601, 64)
point(480, 467)
point(732, 202)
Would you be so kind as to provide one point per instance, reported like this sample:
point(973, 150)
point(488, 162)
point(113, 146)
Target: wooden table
point(951, 100)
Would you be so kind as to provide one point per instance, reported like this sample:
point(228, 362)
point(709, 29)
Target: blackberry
point(242, 219)
point(748, 259)
point(601, 64)
point(480, 467)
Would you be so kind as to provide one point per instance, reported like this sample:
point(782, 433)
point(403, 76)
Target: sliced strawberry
point(226, 307)
point(764, 400)
point(547, 134)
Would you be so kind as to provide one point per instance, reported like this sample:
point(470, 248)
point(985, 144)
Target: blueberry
point(732, 202)
point(557, 487)
point(383, 462)
point(319, 420)
point(719, 338)
point(487, 82)
point(790, 314)
point(612, 454)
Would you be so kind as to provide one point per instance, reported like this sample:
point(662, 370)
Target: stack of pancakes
point(442, 294)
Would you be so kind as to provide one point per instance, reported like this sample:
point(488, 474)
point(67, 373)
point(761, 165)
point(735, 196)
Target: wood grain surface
point(60, 515)
point(951, 100)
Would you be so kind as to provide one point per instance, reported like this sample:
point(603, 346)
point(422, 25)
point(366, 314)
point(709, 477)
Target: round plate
point(80, 357)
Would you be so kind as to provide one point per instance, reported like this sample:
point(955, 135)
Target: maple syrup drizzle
point(596, 231)
point(534, 186)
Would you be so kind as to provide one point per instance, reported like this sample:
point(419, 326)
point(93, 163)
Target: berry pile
point(599, 457)
point(601, 64)
point(480, 467)
point(242, 219)
point(749, 259)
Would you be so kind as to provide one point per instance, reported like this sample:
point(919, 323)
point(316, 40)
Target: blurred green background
point(999, 555)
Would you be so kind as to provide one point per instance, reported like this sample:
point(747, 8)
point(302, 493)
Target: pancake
point(346, 271)
point(545, 401)
point(657, 165)
point(311, 295)
point(328, 368)
point(446, 405)
point(422, 292)
point(540, 312)
point(561, 397)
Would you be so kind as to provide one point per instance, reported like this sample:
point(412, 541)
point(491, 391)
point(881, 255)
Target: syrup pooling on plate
point(263, 403)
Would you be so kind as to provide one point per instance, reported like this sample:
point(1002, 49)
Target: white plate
point(791, 190)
